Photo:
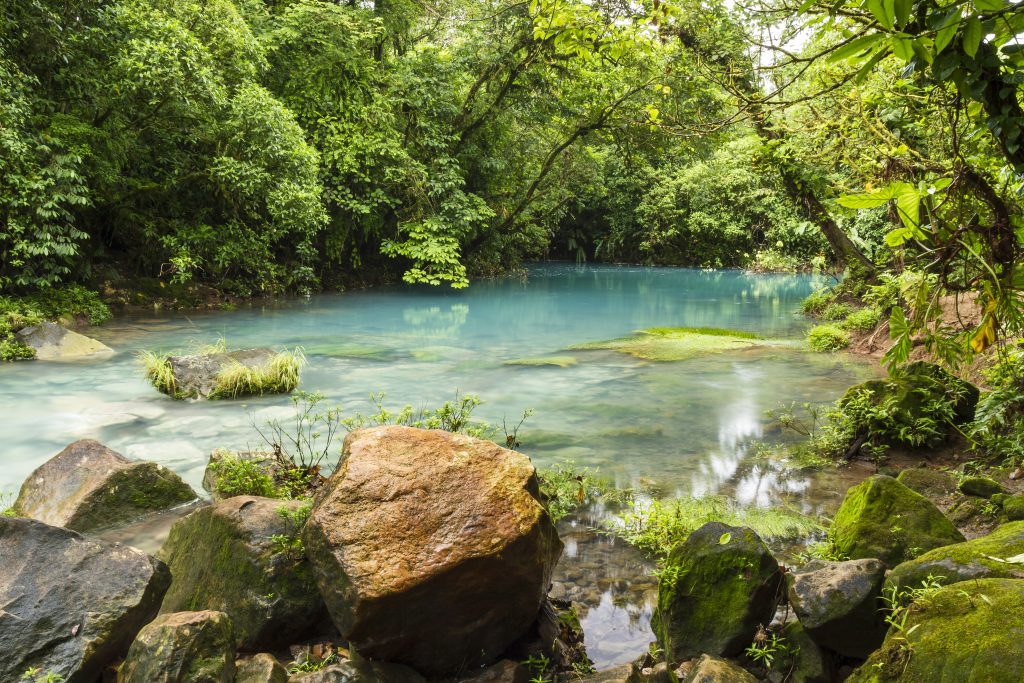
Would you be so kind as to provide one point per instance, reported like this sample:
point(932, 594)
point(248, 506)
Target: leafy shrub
point(11, 350)
point(862, 320)
point(998, 427)
point(69, 302)
point(836, 311)
point(565, 489)
point(817, 301)
point(659, 526)
point(238, 476)
point(828, 338)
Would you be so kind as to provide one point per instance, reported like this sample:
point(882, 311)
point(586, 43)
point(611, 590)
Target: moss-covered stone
point(87, 486)
point(184, 647)
point(917, 383)
point(978, 558)
point(969, 632)
point(965, 511)
point(981, 487)
point(242, 556)
point(808, 663)
point(1013, 507)
point(928, 482)
point(675, 343)
point(715, 589)
point(884, 519)
point(709, 669)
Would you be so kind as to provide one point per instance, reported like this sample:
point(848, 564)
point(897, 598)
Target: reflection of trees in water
point(432, 322)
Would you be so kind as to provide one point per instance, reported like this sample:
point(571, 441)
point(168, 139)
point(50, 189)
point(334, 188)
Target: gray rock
point(224, 557)
point(716, 588)
point(53, 342)
point(505, 671)
point(87, 486)
point(358, 670)
point(837, 603)
point(809, 663)
point(710, 669)
point(196, 375)
point(184, 647)
point(70, 605)
point(260, 668)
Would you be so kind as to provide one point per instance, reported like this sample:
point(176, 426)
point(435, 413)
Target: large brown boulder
point(70, 605)
point(243, 556)
point(184, 647)
point(87, 486)
point(431, 549)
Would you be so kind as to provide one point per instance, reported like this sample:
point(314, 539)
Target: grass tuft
point(280, 375)
point(158, 371)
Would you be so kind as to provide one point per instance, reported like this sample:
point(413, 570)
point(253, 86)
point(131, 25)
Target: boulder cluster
point(425, 554)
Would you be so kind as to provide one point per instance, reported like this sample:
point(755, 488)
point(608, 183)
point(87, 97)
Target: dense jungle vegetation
point(260, 147)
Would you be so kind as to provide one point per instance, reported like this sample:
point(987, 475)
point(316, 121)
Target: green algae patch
point(352, 350)
point(666, 344)
point(544, 361)
point(969, 631)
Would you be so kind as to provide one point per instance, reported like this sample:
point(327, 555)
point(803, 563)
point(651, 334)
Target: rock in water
point(68, 604)
point(53, 342)
point(715, 589)
point(87, 486)
point(969, 631)
point(884, 519)
point(979, 558)
point(196, 376)
point(431, 549)
point(242, 556)
point(837, 603)
point(184, 647)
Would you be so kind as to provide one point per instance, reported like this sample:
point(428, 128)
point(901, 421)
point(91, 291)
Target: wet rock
point(68, 604)
point(928, 482)
point(978, 558)
point(505, 671)
point(809, 663)
point(183, 647)
point(981, 487)
point(955, 635)
point(358, 670)
point(241, 556)
point(884, 519)
point(53, 342)
point(431, 548)
point(711, 669)
point(837, 603)
point(260, 668)
point(717, 587)
point(618, 674)
point(198, 376)
point(556, 635)
point(87, 486)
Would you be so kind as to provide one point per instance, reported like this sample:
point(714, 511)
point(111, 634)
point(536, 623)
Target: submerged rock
point(716, 588)
point(969, 631)
point(184, 647)
point(837, 603)
point(997, 555)
point(226, 374)
point(87, 486)
point(53, 342)
point(676, 343)
point(884, 519)
point(242, 556)
point(431, 549)
point(70, 605)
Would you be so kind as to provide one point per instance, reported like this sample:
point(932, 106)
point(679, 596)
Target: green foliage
point(862, 320)
point(769, 646)
point(11, 350)
point(56, 303)
point(237, 476)
point(566, 488)
point(279, 375)
point(37, 675)
point(290, 544)
point(998, 428)
point(157, 369)
point(836, 311)
point(828, 338)
point(817, 301)
point(659, 526)
point(453, 416)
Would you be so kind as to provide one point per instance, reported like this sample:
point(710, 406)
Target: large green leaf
point(972, 36)
point(855, 47)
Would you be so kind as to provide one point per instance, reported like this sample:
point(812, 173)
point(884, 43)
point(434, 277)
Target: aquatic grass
point(565, 488)
point(279, 375)
point(545, 361)
point(667, 344)
point(157, 368)
point(658, 526)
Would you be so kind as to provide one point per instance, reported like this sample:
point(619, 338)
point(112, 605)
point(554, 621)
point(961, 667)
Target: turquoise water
point(684, 426)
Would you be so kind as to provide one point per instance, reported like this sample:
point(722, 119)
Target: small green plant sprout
point(512, 437)
point(540, 666)
point(564, 488)
point(308, 662)
point(453, 416)
point(37, 675)
point(899, 603)
point(289, 543)
point(769, 646)
point(7, 505)
point(239, 476)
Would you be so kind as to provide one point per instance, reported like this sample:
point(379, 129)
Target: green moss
point(130, 493)
point(983, 557)
point(352, 350)
point(828, 338)
point(927, 482)
point(969, 631)
point(981, 487)
point(882, 518)
point(552, 361)
point(675, 343)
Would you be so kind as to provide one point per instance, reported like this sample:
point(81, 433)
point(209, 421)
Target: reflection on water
point(684, 427)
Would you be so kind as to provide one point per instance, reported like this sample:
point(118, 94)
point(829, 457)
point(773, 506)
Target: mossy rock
point(884, 519)
point(981, 487)
point(810, 663)
point(928, 482)
point(969, 632)
point(1013, 507)
point(241, 556)
point(198, 647)
point(544, 361)
point(715, 589)
point(966, 510)
point(979, 558)
point(87, 487)
point(675, 343)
